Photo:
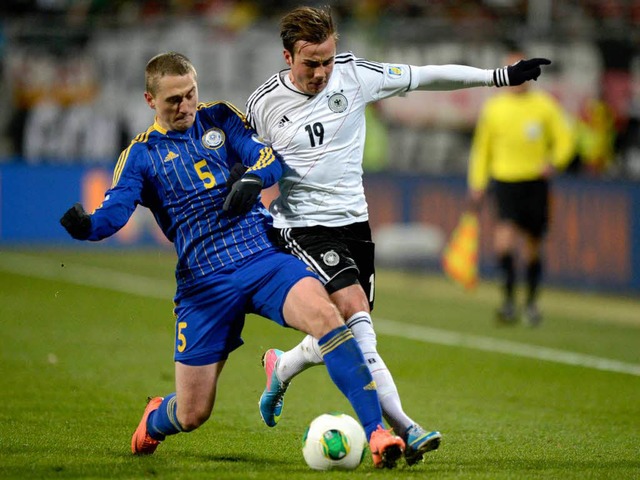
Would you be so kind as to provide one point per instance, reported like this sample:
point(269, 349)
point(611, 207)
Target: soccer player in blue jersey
point(227, 267)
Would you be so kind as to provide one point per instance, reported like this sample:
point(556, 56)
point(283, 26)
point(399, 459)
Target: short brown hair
point(169, 63)
point(313, 25)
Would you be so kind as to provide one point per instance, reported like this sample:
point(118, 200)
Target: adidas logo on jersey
point(283, 121)
point(170, 156)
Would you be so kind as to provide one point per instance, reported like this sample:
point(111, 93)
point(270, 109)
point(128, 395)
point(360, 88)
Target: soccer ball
point(334, 441)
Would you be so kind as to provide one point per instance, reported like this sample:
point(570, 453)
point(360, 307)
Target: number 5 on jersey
point(204, 174)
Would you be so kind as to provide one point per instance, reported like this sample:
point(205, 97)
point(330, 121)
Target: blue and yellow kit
point(180, 177)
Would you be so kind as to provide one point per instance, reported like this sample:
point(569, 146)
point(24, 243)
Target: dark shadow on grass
point(236, 458)
point(203, 457)
point(119, 464)
point(501, 465)
point(255, 460)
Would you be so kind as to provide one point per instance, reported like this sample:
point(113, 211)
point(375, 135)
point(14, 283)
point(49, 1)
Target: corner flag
point(460, 257)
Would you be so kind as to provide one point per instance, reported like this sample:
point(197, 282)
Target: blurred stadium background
point(72, 83)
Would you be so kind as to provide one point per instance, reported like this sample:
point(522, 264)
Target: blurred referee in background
point(522, 138)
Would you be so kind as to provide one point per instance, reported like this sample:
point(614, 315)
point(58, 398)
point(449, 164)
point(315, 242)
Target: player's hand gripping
point(243, 195)
point(235, 174)
point(519, 72)
point(77, 222)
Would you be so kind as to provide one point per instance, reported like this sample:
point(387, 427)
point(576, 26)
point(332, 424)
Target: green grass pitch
point(87, 335)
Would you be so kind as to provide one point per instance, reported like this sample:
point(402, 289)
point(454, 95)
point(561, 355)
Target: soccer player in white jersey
point(313, 113)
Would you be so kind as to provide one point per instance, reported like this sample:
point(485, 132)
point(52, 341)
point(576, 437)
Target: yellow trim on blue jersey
point(122, 159)
point(158, 127)
point(266, 158)
point(238, 112)
point(232, 107)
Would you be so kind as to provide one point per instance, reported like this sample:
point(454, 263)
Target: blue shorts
point(210, 317)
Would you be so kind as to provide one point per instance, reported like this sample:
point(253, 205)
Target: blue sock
point(348, 370)
point(164, 421)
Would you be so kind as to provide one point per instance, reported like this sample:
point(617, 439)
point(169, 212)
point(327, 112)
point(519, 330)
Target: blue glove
point(519, 72)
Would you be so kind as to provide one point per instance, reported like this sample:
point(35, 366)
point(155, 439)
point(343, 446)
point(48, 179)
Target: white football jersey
point(321, 139)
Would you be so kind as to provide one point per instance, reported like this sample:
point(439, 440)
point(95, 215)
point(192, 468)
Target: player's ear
point(288, 58)
point(150, 100)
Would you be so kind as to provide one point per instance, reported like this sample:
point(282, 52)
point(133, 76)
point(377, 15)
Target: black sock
point(507, 267)
point(534, 275)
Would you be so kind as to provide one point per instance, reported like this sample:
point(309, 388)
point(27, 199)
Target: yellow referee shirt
point(517, 135)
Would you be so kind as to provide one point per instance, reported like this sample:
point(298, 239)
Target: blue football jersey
point(180, 177)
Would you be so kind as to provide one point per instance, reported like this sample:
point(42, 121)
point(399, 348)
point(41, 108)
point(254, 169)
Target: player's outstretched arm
point(519, 72)
point(455, 77)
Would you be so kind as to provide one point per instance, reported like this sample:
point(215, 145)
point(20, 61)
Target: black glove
point(519, 72)
point(77, 222)
point(243, 195)
point(236, 173)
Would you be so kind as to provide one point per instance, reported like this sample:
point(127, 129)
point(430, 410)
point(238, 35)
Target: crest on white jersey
point(338, 103)
point(213, 138)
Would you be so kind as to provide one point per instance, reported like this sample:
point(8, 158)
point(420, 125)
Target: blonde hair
point(169, 63)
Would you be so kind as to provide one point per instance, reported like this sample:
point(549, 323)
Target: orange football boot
point(386, 448)
point(141, 442)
